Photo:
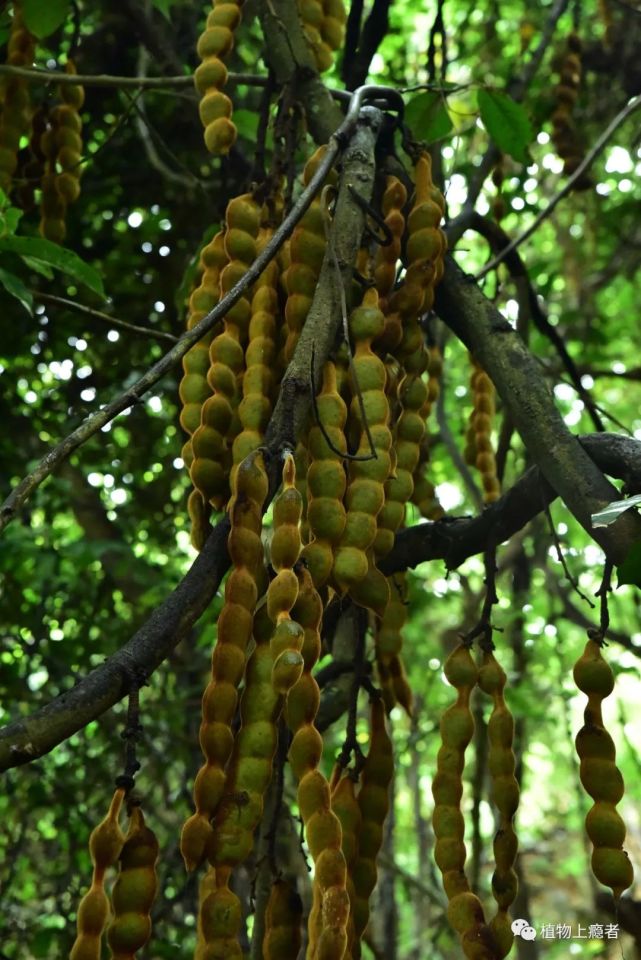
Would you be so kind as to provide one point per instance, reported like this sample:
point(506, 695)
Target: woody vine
point(312, 369)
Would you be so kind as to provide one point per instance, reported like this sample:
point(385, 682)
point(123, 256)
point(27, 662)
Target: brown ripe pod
point(228, 659)
point(210, 77)
point(134, 891)
point(479, 451)
point(15, 119)
point(105, 846)
point(283, 918)
point(330, 910)
point(600, 775)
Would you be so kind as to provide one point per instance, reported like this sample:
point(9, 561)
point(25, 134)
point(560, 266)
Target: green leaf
point(613, 511)
point(59, 257)
point(39, 266)
point(43, 18)
point(630, 570)
point(11, 217)
point(427, 116)
point(246, 122)
point(507, 123)
point(163, 7)
point(16, 288)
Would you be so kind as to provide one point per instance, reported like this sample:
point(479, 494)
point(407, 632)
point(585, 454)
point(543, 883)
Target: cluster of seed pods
point(599, 773)
point(228, 659)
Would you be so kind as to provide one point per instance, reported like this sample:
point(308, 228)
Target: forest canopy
point(320, 467)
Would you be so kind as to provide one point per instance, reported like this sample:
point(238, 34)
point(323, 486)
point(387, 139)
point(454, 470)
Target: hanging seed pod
point(600, 775)
point(306, 252)
point(312, 16)
point(134, 891)
point(346, 807)
point(565, 134)
point(15, 118)
point(505, 795)
point(424, 494)
point(248, 776)
point(283, 919)
point(388, 256)
point(214, 45)
point(228, 659)
point(481, 426)
point(330, 908)
point(258, 380)
point(105, 845)
point(464, 911)
point(388, 645)
point(209, 471)
point(207, 885)
point(194, 389)
point(332, 26)
point(365, 494)
point(326, 479)
point(373, 800)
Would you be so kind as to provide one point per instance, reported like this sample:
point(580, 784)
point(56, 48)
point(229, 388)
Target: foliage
point(103, 541)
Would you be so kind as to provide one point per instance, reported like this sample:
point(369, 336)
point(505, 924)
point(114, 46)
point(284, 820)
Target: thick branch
point(452, 540)
point(516, 376)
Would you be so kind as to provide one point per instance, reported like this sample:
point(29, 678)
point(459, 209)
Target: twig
point(131, 735)
point(604, 613)
point(103, 317)
point(39, 75)
point(455, 454)
point(483, 628)
point(351, 744)
point(585, 164)
point(561, 557)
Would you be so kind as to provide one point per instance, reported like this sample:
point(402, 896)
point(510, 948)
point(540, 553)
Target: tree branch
point(38, 75)
point(452, 540)
point(516, 376)
point(103, 317)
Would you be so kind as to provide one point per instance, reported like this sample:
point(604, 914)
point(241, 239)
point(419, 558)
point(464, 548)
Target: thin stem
point(37, 74)
point(103, 317)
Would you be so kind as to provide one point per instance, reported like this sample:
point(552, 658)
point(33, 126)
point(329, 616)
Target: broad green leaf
point(42, 17)
point(59, 257)
point(613, 511)
point(11, 217)
point(163, 7)
point(630, 570)
point(427, 116)
point(507, 123)
point(40, 267)
point(16, 288)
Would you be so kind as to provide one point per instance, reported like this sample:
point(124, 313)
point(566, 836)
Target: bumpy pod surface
point(194, 388)
point(287, 639)
point(15, 119)
point(365, 493)
point(600, 775)
point(105, 846)
point(426, 245)
point(330, 909)
point(388, 646)
point(228, 659)
point(326, 479)
point(306, 252)
point(134, 891)
point(312, 16)
point(346, 807)
point(332, 25)
point(283, 917)
point(226, 355)
point(258, 381)
point(210, 78)
point(388, 257)
point(505, 794)
point(465, 912)
point(248, 775)
point(481, 428)
point(373, 800)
